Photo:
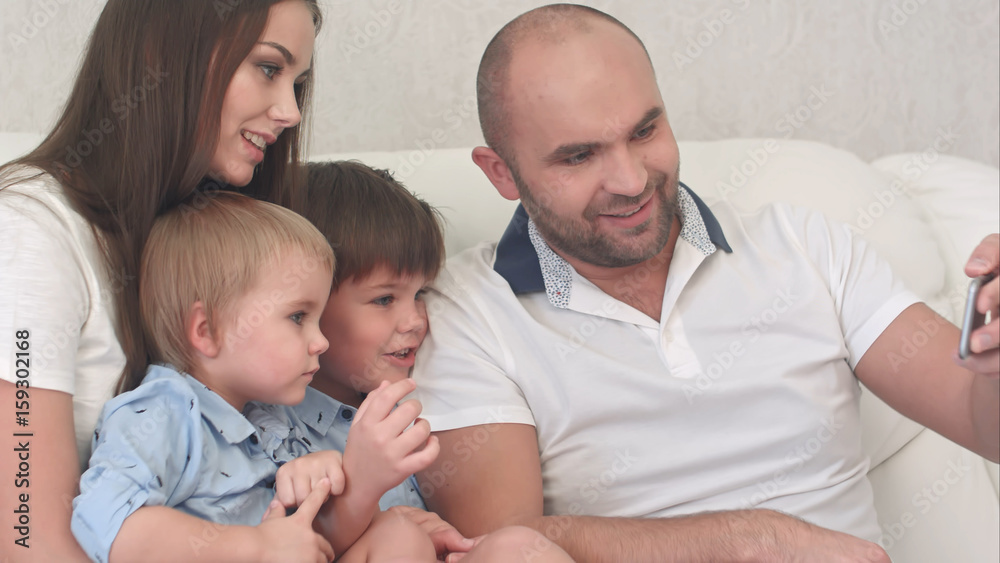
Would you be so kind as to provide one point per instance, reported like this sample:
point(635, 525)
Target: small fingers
point(313, 501)
point(284, 490)
point(384, 399)
point(274, 510)
point(302, 485)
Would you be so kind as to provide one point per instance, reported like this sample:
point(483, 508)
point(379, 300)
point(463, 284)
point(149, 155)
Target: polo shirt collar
point(319, 410)
point(229, 422)
point(517, 258)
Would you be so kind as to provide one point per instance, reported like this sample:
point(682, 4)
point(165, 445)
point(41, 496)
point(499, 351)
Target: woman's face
point(260, 100)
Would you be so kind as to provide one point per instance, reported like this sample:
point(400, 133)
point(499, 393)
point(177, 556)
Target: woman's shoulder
point(34, 195)
point(34, 207)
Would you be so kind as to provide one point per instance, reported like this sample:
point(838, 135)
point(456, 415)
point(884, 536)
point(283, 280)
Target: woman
point(173, 96)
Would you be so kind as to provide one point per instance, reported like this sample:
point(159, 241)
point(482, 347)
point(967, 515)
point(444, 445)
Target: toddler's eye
point(383, 301)
point(297, 318)
point(420, 294)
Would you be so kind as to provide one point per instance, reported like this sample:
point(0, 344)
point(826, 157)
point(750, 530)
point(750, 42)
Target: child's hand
point(445, 537)
point(381, 451)
point(298, 477)
point(291, 538)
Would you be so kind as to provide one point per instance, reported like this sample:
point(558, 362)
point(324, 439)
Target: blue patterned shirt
point(170, 442)
point(319, 422)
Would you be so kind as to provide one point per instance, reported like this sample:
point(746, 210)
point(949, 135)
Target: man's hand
point(985, 342)
point(801, 542)
point(297, 478)
point(382, 448)
point(291, 538)
point(445, 537)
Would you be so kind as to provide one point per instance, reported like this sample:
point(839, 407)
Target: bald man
point(559, 374)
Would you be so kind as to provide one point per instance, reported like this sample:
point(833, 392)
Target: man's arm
point(927, 385)
point(500, 484)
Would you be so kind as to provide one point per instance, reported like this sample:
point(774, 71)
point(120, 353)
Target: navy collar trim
point(517, 261)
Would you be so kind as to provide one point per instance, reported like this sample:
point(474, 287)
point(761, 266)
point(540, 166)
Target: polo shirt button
point(346, 414)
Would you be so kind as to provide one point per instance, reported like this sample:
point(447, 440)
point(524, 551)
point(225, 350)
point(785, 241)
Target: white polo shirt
point(742, 396)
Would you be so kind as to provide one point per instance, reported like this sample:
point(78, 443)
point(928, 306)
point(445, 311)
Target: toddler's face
point(375, 326)
point(270, 349)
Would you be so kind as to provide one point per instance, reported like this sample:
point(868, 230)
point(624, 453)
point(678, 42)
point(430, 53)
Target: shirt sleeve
point(146, 450)
point(866, 293)
point(464, 372)
point(43, 292)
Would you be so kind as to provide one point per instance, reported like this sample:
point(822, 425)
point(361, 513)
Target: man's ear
point(200, 333)
point(497, 171)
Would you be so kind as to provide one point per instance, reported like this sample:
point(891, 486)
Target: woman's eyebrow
point(289, 57)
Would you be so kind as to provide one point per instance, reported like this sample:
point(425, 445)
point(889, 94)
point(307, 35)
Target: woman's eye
point(383, 301)
point(270, 71)
point(297, 318)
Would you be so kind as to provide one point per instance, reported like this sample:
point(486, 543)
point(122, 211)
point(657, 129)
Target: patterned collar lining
point(558, 274)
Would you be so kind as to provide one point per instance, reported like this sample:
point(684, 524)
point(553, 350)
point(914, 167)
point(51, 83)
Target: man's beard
point(581, 238)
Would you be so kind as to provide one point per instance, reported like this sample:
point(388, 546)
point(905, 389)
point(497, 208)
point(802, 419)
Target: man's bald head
point(551, 24)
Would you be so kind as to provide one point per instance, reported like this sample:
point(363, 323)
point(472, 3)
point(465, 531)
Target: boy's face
point(375, 326)
point(270, 347)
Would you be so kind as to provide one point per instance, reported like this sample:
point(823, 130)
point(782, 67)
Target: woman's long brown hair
point(141, 125)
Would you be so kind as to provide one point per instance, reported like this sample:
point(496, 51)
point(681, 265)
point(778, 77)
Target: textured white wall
point(882, 76)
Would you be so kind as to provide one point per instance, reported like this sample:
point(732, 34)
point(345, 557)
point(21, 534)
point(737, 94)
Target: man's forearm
point(719, 536)
point(985, 409)
point(735, 536)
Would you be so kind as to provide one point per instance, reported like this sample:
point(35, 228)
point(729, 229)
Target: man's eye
point(644, 132)
point(383, 301)
point(578, 158)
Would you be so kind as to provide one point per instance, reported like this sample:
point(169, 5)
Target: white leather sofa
point(923, 211)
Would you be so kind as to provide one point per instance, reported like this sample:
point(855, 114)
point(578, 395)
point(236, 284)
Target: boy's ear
point(497, 171)
point(199, 331)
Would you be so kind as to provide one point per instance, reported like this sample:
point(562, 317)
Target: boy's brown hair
point(371, 220)
point(214, 249)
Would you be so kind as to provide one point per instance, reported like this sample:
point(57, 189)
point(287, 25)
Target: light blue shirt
point(170, 442)
point(319, 422)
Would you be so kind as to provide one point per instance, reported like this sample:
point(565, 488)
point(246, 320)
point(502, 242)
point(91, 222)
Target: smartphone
point(972, 319)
